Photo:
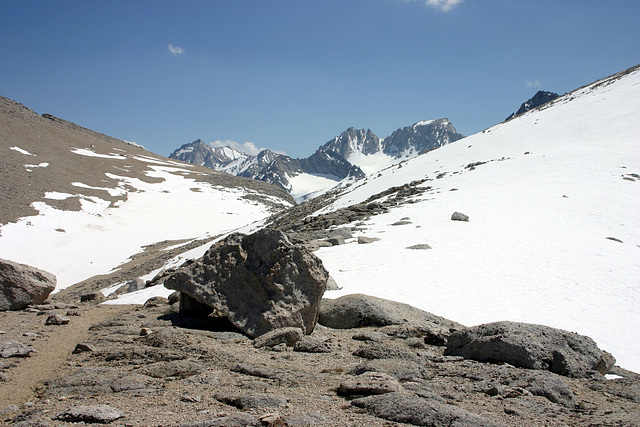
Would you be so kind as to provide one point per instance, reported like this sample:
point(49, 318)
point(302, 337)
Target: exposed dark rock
point(260, 282)
point(540, 98)
point(531, 346)
point(457, 216)
point(22, 285)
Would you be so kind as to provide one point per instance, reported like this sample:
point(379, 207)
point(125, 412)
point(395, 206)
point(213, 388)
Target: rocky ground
point(152, 366)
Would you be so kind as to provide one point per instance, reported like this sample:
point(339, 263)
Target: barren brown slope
point(53, 166)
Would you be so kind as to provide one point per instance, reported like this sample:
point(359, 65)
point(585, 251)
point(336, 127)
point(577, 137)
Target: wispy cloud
point(534, 83)
point(245, 147)
point(176, 50)
point(443, 5)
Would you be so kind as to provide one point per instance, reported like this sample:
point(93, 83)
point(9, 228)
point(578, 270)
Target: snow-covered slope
point(79, 204)
point(554, 231)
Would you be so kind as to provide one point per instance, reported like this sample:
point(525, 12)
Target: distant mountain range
point(353, 154)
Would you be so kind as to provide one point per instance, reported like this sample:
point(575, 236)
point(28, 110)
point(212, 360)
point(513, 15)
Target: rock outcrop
point(260, 282)
point(352, 311)
point(531, 346)
point(22, 285)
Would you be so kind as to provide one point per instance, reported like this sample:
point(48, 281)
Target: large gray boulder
point(260, 282)
point(356, 310)
point(22, 285)
point(531, 346)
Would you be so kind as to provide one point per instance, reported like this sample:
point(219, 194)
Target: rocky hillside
point(99, 201)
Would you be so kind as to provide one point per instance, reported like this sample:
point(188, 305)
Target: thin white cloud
point(443, 5)
point(244, 147)
point(534, 83)
point(176, 50)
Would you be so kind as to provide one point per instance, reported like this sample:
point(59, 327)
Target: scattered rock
point(102, 414)
point(82, 347)
point(135, 285)
point(336, 240)
point(457, 216)
point(96, 297)
point(254, 401)
point(401, 222)
point(352, 311)
point(260, 282)
point(57, 320)
point(288, 336)
point(412, 409)
point(615, 239)
point(156, 302)
point(175, 368)
point(362, 240)
point(15, 349)
point(419, 247)
point(531, 346)
point(369, 383)
point(22, 285)
point(400, 369)
point(310, 344)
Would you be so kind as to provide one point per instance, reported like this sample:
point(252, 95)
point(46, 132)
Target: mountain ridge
point(343, 157)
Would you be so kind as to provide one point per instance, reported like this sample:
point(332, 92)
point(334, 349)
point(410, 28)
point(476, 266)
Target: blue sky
point(291, 74)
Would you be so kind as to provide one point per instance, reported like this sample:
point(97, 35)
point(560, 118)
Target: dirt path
point(53, 350)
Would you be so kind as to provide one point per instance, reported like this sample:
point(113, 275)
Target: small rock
point(102, 414)
point(8, 410)
point(56, 320)
point(362, 240)
point(73, 313)
point(82, 347)
point(457, 216)
point(419, 247)
point(15, 349)
point(156, 302)
point(401, 222)
point(369, 383)
point(288, 336)
point(191, 398)
point(312, 345)
point(254, 401)
point(336, 240)
point(145, 331)
point(96, 297)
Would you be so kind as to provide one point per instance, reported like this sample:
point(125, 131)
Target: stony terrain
point(154, 366)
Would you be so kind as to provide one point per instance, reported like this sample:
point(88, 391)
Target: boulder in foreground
point(356, 310)
point(260, 282)
point(531, 346)
point(22, 285)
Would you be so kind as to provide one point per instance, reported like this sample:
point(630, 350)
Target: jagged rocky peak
point(541, 97)
point(353, 140)
point(202, 154)
point(420, 137)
